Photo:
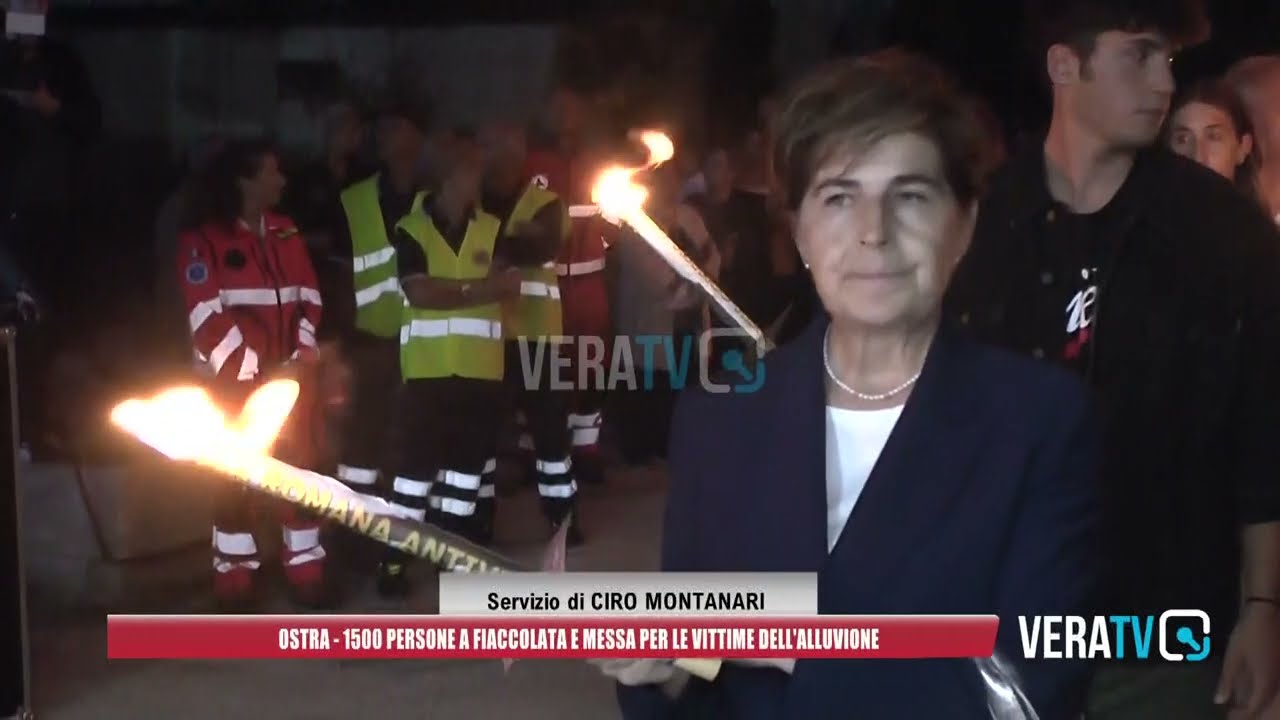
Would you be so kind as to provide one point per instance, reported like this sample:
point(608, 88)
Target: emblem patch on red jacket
point(197, 273)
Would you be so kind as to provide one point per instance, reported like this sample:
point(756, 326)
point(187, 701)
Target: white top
point(855, 439)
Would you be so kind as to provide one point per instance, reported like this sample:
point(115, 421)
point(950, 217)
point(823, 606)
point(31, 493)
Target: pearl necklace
point(826, 363)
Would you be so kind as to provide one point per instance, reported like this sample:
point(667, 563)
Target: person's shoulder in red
point(198, 245)
point(548, 169)
point(280, 225)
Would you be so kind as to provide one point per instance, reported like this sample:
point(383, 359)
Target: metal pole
point(15, 663)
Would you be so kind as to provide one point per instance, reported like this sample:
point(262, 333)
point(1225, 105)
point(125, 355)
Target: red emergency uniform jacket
point(584, 294)
point(253, 305)
point(251, 297)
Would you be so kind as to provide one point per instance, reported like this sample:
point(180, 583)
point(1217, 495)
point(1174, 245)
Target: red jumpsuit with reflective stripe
point(253, 305)
point(584, 294)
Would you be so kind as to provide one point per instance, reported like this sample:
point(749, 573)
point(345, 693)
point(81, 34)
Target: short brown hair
point(857, 103)
point(1078, 23)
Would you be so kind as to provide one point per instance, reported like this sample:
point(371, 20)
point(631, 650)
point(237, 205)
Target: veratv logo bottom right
point(1183, 636)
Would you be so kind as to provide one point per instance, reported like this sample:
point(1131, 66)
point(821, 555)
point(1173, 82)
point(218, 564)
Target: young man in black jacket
point(1161, 287)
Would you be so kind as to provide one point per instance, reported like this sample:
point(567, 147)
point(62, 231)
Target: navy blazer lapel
point(799, 412)
point(923, 467)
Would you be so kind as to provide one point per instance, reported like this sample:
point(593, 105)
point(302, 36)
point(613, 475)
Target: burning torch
point(186, 425)
point(619, 199)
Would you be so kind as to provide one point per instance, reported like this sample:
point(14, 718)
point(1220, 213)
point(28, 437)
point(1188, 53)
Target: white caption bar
point(629, 594)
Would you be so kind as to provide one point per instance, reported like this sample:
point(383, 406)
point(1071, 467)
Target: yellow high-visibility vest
point(462, 342)
point(538, 312)
point(377, 289)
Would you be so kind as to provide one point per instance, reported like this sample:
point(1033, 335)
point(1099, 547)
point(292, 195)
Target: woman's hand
point(670, 679)
point(641, 671)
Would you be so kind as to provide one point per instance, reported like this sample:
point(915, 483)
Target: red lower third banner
point(432, 636)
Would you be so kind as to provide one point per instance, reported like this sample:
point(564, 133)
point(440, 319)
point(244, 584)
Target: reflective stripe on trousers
point(462, 481)
point(555, 479)
point(296, 540)
point(410, 487)
point(463, 490)
point(363, 481)
point(453, 506)
point(488, 488)
point(234, 550)
point(237, 543)
point(585, 437)
point(315, 554)
point(223, 565)
point(301, 545)
point(585, 429)
point(409, 497)
point(352, 475)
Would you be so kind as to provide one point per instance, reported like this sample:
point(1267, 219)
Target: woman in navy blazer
point(913, 470)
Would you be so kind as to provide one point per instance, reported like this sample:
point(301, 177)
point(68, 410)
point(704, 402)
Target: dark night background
point(981, 41)
point(106, 264)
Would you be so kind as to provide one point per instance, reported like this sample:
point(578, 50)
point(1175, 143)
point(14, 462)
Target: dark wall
point(739, 65)
point(1241, 28)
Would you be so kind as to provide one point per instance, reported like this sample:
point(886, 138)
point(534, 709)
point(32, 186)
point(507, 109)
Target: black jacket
point(1185, 360)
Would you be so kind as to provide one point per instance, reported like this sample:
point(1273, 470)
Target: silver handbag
point(1005, 697)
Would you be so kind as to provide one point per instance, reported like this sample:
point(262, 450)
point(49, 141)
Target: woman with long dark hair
point(1208, 123)
point(253, 308)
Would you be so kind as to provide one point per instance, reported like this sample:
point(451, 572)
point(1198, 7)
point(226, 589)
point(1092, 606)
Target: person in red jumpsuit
point(254, 307)
point(584, 295)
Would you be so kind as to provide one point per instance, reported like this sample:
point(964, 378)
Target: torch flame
point(661, 149)
point(616, 192)
point(185, 424)
point(265, 413)
point(619, 199)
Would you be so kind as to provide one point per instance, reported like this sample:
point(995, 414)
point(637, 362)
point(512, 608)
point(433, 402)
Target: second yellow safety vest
point(538, 312)
point(462, 342)
point(377, 289)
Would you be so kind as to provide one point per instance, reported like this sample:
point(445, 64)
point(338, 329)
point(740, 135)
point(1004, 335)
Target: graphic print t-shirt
point(1075, 254)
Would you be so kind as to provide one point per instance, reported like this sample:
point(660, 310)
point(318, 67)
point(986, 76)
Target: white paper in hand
point(637, 671)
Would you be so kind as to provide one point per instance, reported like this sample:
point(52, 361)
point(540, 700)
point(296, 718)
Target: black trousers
point(642, 419)
point(447, 436)
point(545, 406)
point(368, 432)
